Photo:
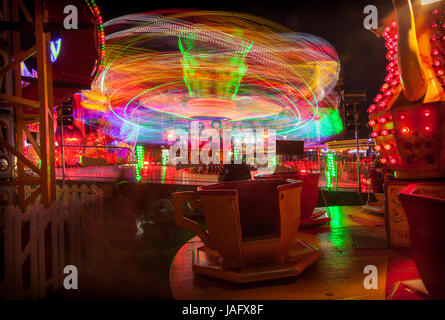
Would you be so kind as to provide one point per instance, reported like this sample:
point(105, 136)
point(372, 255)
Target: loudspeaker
point(7, 134)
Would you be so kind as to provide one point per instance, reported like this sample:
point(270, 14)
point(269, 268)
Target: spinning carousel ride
point(163, 70)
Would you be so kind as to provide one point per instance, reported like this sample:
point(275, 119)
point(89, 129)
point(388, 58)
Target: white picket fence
point(38, 244)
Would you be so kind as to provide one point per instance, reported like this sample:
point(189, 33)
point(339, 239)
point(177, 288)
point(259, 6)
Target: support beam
point(25, 11)
point(16, 182)
point(19, 100)
point(16, 46)
point(46, 105)
point(18, 58)
point(28, 122)
point(31, 198)
point(31, 139)
point(20, 156)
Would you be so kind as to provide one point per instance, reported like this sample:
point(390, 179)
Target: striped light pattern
point(165, 69)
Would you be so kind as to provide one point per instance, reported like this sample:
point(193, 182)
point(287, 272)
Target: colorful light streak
point(163, 70)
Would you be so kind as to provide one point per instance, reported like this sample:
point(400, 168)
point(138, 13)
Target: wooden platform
point(338, 273)
point(209, 263)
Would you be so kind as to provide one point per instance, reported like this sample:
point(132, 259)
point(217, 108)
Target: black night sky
point(362, 54)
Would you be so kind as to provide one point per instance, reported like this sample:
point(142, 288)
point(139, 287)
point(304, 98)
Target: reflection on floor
point(338, 274)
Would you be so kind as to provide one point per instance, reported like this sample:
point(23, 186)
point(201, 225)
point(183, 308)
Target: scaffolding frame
point(45, 176)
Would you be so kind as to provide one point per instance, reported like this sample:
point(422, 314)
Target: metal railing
point(131, 153)
point(346, 175)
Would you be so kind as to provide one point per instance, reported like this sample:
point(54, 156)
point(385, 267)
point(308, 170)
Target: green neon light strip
point(331, 171)
point(197, 86)
point(140, 161)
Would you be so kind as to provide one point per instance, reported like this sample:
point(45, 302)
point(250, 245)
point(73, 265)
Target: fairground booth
point(222, 153)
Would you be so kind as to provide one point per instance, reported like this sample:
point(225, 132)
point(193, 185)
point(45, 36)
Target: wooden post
point(46, 107)
point(19, 109)
point(56, 268)
point(9, 251)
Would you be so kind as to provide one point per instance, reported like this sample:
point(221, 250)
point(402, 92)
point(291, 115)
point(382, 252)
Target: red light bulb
point(384, 87)
point(378, 97)
point(393, 160)
point(383, 120)
point(383, 160)
point(377, 148)
point(372, 123)
point(402, 117)
point(404, 130)
point(374, 134)
point(382, 104)
point(384, 133)
point(427, 113)
point(435, 52)
point(428, 128)
point(387, 146)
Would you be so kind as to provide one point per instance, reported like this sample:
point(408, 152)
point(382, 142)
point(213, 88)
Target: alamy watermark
point(371, 20)
point(71, 20)
point(71, 280)
point(371, 280)
point(255, 146)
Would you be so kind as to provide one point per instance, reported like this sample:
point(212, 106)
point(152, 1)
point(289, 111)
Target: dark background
point(362, 54)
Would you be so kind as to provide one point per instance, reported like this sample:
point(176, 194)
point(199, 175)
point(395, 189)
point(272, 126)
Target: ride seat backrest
point(259, 210)
point(258, 207)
